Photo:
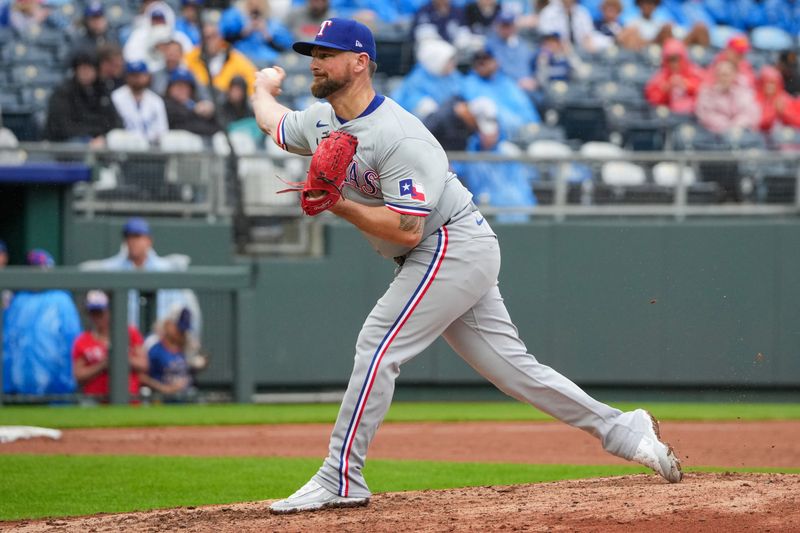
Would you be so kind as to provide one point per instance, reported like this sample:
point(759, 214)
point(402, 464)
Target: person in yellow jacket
point(224, 62)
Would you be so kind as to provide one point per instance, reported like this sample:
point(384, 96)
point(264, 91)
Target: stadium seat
point(622, 174)
point(701, 55)
point(668, 173)
point(9, 154)
point(538, 132)
point(126, 141)
point(634, 74)
point(549, 171)
point(785, 138)
point(8, 99)
point(243, 143)
point(23, 53)
point(770, 38)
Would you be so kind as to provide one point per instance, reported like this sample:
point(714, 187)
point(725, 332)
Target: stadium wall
point(613, 304)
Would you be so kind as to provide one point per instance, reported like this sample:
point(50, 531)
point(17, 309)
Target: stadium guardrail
point(235, 280)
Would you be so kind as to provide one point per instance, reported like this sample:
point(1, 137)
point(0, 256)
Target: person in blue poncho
point(514, 107)
point(39, 328)
point(494, 183)
point(432, 81)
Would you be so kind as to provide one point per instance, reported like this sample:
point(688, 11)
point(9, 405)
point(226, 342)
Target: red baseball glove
point(323, 185)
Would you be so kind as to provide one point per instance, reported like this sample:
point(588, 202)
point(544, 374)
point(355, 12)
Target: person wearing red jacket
point(90, 350)
point(676, 83)
point(777, 106)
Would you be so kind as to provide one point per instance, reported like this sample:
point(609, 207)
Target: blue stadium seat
point(770, 38)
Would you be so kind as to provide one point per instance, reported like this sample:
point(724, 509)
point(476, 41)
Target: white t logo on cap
point(325, 24)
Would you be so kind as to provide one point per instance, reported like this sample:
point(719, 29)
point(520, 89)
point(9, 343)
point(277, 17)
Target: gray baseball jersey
point(446, 286)
point(398, 163)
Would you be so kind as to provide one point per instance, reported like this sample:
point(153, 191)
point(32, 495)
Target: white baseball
point(271, 73)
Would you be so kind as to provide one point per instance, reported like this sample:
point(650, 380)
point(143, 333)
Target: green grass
point(36, 486)
point(227, 414)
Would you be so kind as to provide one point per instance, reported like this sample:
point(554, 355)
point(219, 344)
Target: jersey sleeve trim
point(408, 210)
point(281, 134)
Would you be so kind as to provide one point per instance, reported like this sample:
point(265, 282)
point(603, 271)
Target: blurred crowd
point(47, 353)
point(481, 74)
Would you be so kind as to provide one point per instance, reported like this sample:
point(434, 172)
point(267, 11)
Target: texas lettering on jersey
point(367, 182)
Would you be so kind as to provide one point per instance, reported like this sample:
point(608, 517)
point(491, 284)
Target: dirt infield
point(703, 502)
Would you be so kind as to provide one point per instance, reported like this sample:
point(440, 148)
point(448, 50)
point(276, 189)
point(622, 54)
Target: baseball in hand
point(271, 73)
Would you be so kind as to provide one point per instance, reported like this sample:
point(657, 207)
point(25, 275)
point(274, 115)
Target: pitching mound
point(701, 503)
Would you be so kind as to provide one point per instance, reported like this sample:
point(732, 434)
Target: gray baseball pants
point(447, 286)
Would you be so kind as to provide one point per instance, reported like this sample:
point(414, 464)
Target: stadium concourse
point(592, 100)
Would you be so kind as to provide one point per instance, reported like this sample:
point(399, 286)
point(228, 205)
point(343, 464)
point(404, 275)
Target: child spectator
point(141, 109)
point(724, 104)
point(80, 109)
point(169, 372)
point(39, 328)
point(777, 106)
point(676, 83)
point(610, 25)
point(90, 351)
point(551, 62)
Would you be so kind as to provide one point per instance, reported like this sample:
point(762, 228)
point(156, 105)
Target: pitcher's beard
point(325, 87)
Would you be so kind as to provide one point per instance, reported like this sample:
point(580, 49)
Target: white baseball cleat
point(311, 497)
point(655, 454)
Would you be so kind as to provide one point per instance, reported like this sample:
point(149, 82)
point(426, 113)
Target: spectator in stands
point(90, 360)
point(677, 82)
point(169, 372)
point(137, 254)
point(573, 23)
point(80, 109)
point(433, 80)
point(514, 55)
point(724, 104)
point(94, 30)
point(481, 15)
point(141, 109)
point(248, 26)
point(441, 19)
point(777, 106)
point(610, 25)
point(29, 16)
point(224, 62)
point(173, 54)
point(789, 68)
point(654, 27)
point(735, 52)
point(497, 184)
point(39, 328)
point(158, 27)
point(111, 67)
point(452, 124)
point(188, 22)
point(514, 108)
point(552, 61)
point(236, 105)
point(183, 111)
point(304, 20)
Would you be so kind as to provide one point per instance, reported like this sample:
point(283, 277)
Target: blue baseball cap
point(182, 74)
point(136, 226)
point(341, 34)
point(39, 257)
point(136, 67)
point(94, 9)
